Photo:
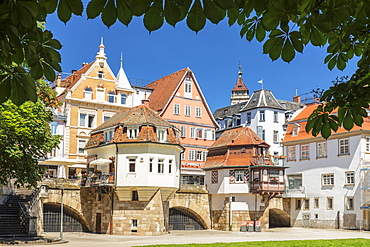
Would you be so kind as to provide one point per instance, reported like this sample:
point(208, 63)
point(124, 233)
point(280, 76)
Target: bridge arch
point(181, 218)
point(278, 218)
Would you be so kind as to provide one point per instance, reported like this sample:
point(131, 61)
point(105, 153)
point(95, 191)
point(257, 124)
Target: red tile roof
point(239, 85)
point(164, 88)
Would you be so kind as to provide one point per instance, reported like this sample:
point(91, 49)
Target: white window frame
point(187, 89)
point(187, 111)
point(343, 146)
point(54, 128)
point(182, 155)
point(176, 109)
point(111, 95)
point(330, 203)
point(350, 178)
point(170, 162)
point(239, 176)
point(132, 132)
point(327, 179)
point(295, 131)
point(84, 141)
point(86, 123)
point(191, 155)
point(131, 161)
point(262, 114)
point(291, 150)
point(161, 165)
point(100, 94)
point(151, 163)
point(193, 132)
point(198, 111)
point(305, 152)
point(321, 149)
point(162, 134)
point(88, 93)
point(108, 135)
point(350, 203)
point(276, 136)
point(182, 131)
point(276, 117)
point(123, 96)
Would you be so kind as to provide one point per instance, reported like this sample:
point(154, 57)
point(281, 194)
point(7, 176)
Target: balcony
point(98, 180)
point(267, 187)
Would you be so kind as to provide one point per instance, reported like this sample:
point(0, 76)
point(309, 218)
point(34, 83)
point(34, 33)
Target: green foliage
point(285, 27)
point(25, 137)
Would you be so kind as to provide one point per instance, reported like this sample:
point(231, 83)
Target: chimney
point(145, 102)
point(59, 80)
point(84, 64)
point(73, 71)
point(297, 98)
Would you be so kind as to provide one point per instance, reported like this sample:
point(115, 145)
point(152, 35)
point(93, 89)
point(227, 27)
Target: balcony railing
point(273, 186)
point(100, 179)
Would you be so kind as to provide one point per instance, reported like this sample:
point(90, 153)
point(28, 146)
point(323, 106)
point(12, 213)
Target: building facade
point(328, 180)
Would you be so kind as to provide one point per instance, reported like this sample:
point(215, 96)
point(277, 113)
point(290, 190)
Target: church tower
point(240, 92)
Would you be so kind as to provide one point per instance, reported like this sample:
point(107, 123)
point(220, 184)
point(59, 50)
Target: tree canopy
point(285, 27)
point(25, 137)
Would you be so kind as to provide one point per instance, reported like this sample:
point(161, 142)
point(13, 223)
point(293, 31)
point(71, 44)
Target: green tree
point(285, 27)
point(25, 137)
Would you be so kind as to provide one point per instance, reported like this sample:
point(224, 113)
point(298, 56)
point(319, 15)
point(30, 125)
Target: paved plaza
point(206, 236)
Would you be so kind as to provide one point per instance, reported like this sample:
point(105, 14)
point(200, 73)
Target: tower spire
point(240, 73)
point(240, 92)
point(101, 53)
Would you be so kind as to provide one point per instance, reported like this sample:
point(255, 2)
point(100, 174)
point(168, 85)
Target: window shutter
point(232, 176)
point(246, 175)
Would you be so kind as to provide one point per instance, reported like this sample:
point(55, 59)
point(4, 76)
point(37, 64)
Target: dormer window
point(123, 99)
point(111, 97)
point(108, 135)
point(162, 134)
point(295, 130)
point(100, 74)
point(132, 132)
point(88, 93)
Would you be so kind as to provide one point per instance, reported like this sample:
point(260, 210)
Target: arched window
point(100, 74)
point(123, 99)
point(88, 93)
point(111, 97)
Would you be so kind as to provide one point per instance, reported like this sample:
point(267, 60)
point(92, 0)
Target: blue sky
point(213, 55)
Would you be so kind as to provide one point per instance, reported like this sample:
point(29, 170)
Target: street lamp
point(61, 214)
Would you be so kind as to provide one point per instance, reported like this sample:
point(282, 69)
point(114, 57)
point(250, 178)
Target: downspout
point(113, 191)
point(230, 213)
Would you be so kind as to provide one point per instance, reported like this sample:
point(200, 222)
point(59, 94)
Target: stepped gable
point(141, 116)
point(164, 88)
point(228, 111)
point(220, 154)
point(300, 122)
point(263, 99)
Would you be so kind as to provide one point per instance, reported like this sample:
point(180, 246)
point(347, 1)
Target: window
point(88, 93)
point(191, 154)
point(276, 117)
point(100, 94)
point(239, 176)
point(259, 131)
point(343, 146)
point(132, 132)
point(291, 153)
point(321, 149)
point(276, 136)
point(274, 175)
point(134, 223)
point(81, 146)
point(305, 152)
point(243, 149)
point(192, 132)
point(131, 163)
point(316, 202)
point(262, 116)
point(249, 117)
point(134, 195)
point(187, 110)
point(295, 130)
point(306, 204)
point(263, 135)
point(199, 133)
point(214, 177)
point(182, 131)
point(182, 156)
point(100, 74)
point(200, 155)
point(87, 120)
point(349, 203)
point(176, 109)
point(151, 164)
point(54, 128)
point(111, 97)
point(123, 99)
point(198, 111)
point(187, 90)
point(298, 204)
point(161, 134)
point(350, 178)
point(160, 165)
point(170, 166)
point(329, 203)
point(108, 135)
point(367, 148)
point(295, 182)
point(105, 118)
point(327, 179)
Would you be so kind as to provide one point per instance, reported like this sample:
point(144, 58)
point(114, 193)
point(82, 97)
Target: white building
point(328, 180)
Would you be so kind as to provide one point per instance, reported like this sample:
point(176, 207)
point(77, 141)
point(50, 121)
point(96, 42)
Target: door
point(98, 223)
point(306, 220)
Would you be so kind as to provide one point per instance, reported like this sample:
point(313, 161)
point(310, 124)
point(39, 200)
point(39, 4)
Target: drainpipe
point(230, 213)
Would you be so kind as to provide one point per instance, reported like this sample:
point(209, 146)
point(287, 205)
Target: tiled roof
point(262, 99)
point(238, 136)
point(300, 121)
point(223, 153)
point(228, 111)
point(164, 88)
point(290, 105)
point(140, 116)
point(239, 85)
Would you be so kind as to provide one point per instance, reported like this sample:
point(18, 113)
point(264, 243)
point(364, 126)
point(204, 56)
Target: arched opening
point(278, 218)
point(72, 221)
point(184, 219)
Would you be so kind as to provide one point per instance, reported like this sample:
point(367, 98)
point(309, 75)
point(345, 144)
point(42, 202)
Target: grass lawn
point(298, 243)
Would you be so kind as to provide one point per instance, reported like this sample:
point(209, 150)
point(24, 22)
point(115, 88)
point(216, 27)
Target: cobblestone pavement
point(206, 236)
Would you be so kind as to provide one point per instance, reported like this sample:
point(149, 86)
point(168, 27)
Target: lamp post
point(61, 214)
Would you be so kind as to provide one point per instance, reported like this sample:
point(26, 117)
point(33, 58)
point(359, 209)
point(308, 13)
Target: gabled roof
point(164, 88)
point(300, 121)
point(237, 137)
point(262, 99)
point(139, 115)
